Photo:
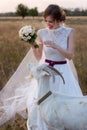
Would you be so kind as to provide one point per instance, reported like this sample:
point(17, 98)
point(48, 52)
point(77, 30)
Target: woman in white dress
point(57, 43)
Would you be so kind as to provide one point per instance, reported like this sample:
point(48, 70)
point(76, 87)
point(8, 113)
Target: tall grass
point(80, 58)
point(12, 50)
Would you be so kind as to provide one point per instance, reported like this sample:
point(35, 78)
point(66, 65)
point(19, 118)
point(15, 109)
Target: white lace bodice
point(59, 36)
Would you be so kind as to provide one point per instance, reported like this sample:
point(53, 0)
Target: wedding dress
point(20, 92)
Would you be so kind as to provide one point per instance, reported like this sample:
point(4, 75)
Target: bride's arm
point(37, 51)
point(70, 50)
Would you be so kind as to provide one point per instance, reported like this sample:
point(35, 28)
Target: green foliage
point(33, 12)
point(22, 10)
point(76, 12)
point(32, 40)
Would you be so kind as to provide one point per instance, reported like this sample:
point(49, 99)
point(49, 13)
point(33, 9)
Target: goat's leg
point(32, 121)
point(33, 128)
point(52, 128)
point(55, 129)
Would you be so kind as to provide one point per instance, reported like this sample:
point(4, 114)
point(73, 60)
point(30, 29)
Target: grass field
point(12, 50)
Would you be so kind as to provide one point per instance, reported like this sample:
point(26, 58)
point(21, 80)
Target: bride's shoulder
point(66, 30)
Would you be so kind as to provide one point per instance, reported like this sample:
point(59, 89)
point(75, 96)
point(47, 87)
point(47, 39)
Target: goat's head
point(38, 71)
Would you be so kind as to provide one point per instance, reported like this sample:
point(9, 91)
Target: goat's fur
point(59, 111)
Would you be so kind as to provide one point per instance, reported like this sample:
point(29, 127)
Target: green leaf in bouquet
point(32, 40)
point(36, 46)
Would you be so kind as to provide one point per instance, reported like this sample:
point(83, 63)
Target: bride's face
point(51, 24)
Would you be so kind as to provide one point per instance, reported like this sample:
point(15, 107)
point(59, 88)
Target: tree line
point(23, 11)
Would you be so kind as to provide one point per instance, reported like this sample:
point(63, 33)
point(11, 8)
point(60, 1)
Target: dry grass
point(12, 50)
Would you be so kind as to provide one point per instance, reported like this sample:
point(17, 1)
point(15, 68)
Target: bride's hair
point(55, 12)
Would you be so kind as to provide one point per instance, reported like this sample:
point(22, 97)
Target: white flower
point(28, 34)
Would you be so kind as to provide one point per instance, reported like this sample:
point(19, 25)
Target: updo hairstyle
point(55, 12)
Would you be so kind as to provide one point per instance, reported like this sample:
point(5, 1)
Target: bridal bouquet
point(28, 34)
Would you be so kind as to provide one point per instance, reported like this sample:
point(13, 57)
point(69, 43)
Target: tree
point(33, 12)
point(22, 10)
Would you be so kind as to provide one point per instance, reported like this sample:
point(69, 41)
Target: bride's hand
point(50, 44)
point(33, 45)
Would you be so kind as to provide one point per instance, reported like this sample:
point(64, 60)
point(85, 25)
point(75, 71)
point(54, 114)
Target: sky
point(11, 5)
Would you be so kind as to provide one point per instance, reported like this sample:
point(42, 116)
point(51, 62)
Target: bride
point(56, 49)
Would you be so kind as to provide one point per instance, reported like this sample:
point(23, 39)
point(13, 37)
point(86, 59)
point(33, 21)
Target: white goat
point(59, 111)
